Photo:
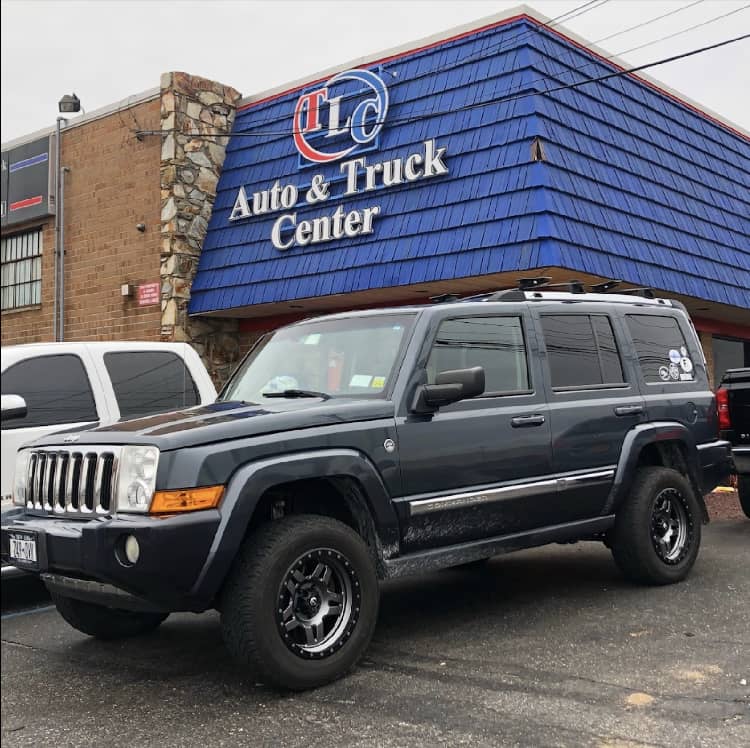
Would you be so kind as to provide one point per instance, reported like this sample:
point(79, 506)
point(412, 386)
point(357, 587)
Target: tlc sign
point(320, 129)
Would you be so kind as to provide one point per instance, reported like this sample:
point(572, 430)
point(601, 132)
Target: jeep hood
point(223, 421)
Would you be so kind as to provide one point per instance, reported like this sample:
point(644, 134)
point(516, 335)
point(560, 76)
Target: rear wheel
point(105, 623)
point(301, 602)
point(657, 531)
point(743, 491)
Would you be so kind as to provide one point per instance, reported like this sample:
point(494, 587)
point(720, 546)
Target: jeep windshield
point(345, 357)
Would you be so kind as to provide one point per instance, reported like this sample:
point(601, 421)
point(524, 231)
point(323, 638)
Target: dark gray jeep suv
point(357, 447)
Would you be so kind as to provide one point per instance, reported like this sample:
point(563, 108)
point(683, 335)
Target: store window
point(56, 390)
point(21, 256)
point(148, 382)
point(729, 353)
point(494, 343)
point(581, 350)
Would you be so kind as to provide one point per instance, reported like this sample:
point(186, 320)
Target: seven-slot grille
point(80, 481)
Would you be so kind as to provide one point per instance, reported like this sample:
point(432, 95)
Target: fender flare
point(636, 440)
point(251, 481)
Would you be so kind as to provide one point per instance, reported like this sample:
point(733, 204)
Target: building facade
point(458, 165)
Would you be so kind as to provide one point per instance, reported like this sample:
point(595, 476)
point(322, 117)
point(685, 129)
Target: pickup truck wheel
point(105, 623)
point(743, 491)
point(301, 602)
point(657, 530)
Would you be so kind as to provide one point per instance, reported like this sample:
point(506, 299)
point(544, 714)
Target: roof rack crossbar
point(526, 284)
point(605, 286)
point(647, 293)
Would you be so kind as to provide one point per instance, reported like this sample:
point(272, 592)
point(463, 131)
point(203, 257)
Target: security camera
point(141, 227)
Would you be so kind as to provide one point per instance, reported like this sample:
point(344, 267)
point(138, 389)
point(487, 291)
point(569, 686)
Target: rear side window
point(148, 382)
point(581, 350)
point(56, 390)
point(661, 348)
point(494, 343)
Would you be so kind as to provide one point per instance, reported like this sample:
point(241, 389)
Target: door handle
point(628, 410)
point(535, 420)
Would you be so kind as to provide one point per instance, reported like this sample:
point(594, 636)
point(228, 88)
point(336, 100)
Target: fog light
point(132, 549)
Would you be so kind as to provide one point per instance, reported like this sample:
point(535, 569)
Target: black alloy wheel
point(657, 532)
point(319, 603)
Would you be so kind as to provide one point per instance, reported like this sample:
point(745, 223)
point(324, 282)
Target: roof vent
point(537, 150)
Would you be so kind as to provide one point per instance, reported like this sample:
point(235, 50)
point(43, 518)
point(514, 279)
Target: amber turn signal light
point(186, 500)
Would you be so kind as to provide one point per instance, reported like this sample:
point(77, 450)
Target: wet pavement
point(549, 647)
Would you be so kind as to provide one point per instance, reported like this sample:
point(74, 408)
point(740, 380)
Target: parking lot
point(546, 647)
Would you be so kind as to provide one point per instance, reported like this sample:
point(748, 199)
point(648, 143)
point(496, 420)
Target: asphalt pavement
point(549, 647)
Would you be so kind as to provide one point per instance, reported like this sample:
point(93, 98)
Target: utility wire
point(516, 39)
point(511, 97)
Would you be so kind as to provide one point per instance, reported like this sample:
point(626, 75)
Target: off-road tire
point(105, 623)
point(743, 491)
point(633, 540)
point(257, 589)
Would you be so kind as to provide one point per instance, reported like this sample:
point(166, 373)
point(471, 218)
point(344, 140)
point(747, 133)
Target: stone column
point(196, 119)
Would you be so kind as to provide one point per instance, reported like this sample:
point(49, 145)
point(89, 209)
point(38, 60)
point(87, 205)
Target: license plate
point(23, 549)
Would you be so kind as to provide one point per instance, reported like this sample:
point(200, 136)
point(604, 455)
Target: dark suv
point(357, 447)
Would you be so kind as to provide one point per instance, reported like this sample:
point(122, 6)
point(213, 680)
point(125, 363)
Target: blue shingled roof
point(635, 185)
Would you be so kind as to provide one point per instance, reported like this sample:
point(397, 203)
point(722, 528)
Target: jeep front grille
point(76, 482)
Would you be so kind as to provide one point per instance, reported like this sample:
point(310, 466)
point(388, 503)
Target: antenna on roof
point(606, 286)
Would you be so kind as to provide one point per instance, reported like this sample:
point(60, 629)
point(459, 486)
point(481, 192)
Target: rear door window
point(148, 382)
point(581, 350)
point(56, 390)
point(661, 348)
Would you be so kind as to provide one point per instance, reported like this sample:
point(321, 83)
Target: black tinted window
point(495, 343)
point(55, 388)
point(661, 348)
point(581, 350)
point(150, 382)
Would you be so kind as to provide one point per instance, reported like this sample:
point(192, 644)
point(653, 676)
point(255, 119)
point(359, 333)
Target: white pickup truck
point(64, 386)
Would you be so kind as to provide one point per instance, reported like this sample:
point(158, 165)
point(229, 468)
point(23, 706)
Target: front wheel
point(105, 623)
point(657, 532)
point(743, 491)
point(301, 602)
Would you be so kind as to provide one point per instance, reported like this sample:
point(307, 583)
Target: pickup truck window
point(56, 390)
point(661, 349)
point(150, 382)
point(581, 350)
point(494, 343)
point(334, 357)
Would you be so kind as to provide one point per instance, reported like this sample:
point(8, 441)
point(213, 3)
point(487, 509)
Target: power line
point(496, 47)
point(650, 21)
point(512, 97)
point(583, 8)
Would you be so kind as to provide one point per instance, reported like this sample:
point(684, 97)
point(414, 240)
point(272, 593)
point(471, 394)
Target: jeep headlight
point(20, 475)
point(136, 479)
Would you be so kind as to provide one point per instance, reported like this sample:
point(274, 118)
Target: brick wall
point(112, 185)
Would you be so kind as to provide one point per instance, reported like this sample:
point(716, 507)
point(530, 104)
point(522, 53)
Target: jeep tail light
point(722, 405)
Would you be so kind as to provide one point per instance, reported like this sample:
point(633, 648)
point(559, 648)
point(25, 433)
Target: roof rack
point(647, 293)
point(444, 298)
point(606, 286)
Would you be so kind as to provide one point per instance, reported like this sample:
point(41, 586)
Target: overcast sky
point(106, 50)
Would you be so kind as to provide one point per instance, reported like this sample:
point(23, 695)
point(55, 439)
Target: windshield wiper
point(297, 393)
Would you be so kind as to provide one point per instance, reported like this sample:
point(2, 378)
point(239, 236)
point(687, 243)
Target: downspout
point(61, 274)
point(55, 313)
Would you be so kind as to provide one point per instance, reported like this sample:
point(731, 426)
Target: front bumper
point(173, 554)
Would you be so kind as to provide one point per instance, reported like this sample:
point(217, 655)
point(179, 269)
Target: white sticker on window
point(674, 372)
point(360, 380)
point(664, 373)
point(674, 356)
point(686, 365)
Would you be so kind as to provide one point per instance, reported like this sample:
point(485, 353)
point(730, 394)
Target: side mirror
point(449, 387)
point(12, 406)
